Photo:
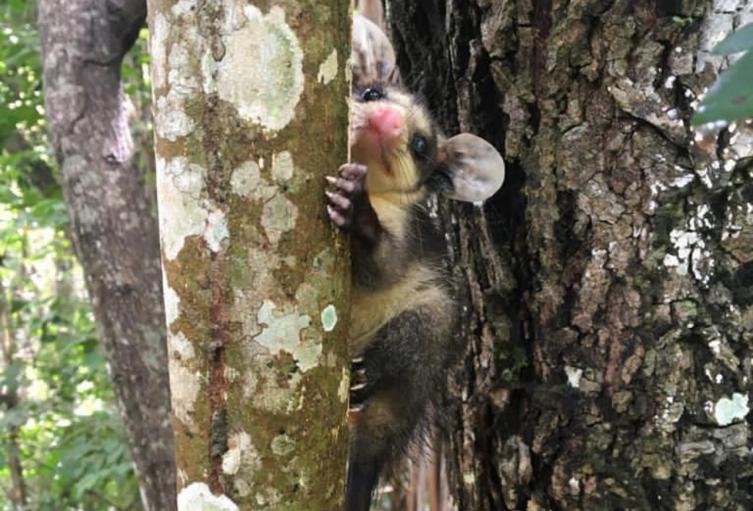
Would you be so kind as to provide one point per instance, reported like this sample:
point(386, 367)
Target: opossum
point(403, 311)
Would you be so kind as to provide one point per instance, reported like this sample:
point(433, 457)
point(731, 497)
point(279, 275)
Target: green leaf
point(9, 377)
point(740, 40)
point(88, 482)
point(731, 97)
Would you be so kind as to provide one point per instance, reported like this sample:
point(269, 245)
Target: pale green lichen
point(182, 79)
point(263, 42)
point(328, 68)
point(172, 304)
point(182, 477)
point(180, 346)
point(183, 7)
point(270, 500)
point(171, 120)
point(284, 332)
point(282, 167)
point(273, 395)
point(727, 411)
point(198, 497)
point(184, 388)
point(245, 178)
point(240, 452)
point(329, 318)
point(216, 230)
point(343, 391)
point(185, 210)
point(282, 445)
point(278, 216)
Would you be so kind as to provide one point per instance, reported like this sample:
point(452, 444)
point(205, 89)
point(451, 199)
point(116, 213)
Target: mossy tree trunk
point(113, 225)
point(609, 333)
point(250, 115)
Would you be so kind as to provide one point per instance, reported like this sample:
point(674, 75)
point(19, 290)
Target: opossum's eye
point(372, 94)
point(419, 145)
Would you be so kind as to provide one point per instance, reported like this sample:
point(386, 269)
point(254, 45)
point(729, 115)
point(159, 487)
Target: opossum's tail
point(373, 10)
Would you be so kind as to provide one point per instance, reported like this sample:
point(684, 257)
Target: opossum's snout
point(385, 123)
point(378, 126)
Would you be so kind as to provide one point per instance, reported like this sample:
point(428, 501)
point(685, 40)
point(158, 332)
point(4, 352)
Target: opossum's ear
point(372, 56)
point(474, 167)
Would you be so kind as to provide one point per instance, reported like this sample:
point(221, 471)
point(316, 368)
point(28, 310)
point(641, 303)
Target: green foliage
point(731, 97)
point(741, 40)
point(57, 405)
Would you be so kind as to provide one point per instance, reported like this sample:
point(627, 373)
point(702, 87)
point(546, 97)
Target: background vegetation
point(58, 414)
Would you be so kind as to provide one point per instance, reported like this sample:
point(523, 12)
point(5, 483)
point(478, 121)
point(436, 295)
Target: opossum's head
point(393, 134)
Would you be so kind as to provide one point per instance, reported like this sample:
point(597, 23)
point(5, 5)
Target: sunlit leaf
point(740, 40)
point(731, 97)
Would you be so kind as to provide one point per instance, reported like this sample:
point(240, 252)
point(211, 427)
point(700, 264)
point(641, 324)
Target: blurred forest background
point(58, 414)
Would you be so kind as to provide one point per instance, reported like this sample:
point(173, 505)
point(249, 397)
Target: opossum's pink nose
point(386, 122)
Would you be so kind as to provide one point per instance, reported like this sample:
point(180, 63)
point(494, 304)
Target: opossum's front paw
point(347, 185)
point(360, 385)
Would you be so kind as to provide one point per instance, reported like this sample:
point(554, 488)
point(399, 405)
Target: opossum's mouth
point(372, 146)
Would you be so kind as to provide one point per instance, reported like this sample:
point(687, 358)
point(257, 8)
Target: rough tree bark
point(250, 115)
point(608, 361)
point(113, 227)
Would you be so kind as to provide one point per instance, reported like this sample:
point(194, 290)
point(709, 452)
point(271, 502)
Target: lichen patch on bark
point(343, 391)
point(182, 189)
point(329, 318)
point(171, 120)
point(262, 42)
point(185, 386)
point(172, 304)
point(282, 167)
point(180, 347)
point(245, 178)
point(198, 497)
point(240, 453)
point(282, 445)
point(263, 391)
point(573, 376)
point(283, 331)
point(328, 69)
point(278, 217)
point(727, 411)
point(183, 6)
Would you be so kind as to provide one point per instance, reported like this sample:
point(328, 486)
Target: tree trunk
point(608, 361)
point(250, 115)
point(10, 399)
point(113, 230)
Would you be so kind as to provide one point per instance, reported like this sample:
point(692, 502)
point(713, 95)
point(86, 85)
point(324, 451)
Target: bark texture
point(250, 115)
point(608, 361)
point(113, 226)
